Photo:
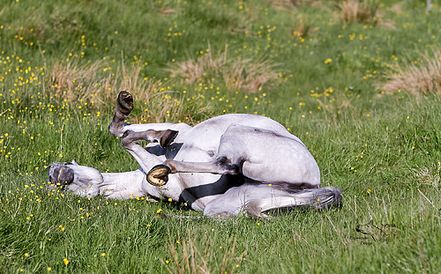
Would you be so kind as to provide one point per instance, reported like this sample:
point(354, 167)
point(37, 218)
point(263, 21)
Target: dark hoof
point(158, 175)
point(168, 137)
point(125, 102)
point(60, 174)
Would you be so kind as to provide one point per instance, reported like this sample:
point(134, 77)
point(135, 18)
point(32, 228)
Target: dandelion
point(104, 254)
point(49, 269)
point(66, 261)
point(327, 61)
point(159, 211)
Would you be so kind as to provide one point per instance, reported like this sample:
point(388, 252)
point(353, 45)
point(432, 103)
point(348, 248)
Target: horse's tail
point(318, 198)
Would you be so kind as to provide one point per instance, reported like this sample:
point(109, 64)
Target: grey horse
point(224, 166)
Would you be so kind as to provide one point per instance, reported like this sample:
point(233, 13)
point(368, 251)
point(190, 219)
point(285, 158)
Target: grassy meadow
point(357, 81)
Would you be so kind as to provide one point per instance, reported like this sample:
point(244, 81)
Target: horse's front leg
point(124, 105)
point(160, 133)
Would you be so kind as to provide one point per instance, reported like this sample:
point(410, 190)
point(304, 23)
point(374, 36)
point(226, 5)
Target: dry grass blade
point(237, 73)
point(416, 79)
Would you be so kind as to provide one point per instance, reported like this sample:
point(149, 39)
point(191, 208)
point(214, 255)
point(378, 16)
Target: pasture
point(358, 82)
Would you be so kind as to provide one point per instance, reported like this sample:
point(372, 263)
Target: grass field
point(359, 83)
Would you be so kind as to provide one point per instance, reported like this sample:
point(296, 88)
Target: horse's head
point(63, 176)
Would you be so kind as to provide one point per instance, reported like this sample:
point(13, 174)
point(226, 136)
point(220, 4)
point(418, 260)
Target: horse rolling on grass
point(224, 166)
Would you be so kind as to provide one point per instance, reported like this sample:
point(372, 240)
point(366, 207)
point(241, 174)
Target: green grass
point(384, 151)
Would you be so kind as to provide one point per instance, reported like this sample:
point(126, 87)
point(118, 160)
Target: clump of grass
point(96, 85)
point(356, 11)
point(416, 79)
point(72, 82)
point(243, 74)
point(247, 75)
point(191, 71)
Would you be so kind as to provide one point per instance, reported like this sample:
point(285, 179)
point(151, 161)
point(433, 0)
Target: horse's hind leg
point(256, 199)
point(269, 157)
point(258, 154)
point(218, 166)
point(161, 171)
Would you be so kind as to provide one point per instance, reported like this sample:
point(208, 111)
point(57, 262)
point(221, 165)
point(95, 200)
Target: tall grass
point(359, 11)
point(237, 73)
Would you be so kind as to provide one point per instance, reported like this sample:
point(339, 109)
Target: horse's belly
point(193, 154)
point(206, 136)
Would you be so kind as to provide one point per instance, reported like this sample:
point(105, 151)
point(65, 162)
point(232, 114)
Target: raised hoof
point(158, 175)
point(125, 102)
point(60, 174)
point(168, 137)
